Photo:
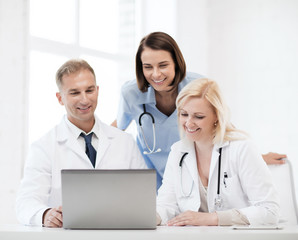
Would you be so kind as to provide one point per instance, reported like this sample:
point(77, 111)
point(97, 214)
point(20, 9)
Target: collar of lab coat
point(190, 159)
point(188, 146)
point(105, 136)
point(214, 158)
point(77, 131)
point(64, 132)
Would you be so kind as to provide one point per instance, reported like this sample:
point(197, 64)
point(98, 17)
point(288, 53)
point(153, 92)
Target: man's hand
point(274, 158)
point(53, 218)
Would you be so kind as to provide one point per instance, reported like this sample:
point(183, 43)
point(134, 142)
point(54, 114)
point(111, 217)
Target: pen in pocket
point(224, 180)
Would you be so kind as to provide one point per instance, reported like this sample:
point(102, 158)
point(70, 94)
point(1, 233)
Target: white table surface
point(12, 232)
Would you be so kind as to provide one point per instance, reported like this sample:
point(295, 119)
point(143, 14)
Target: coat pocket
point(232, 193)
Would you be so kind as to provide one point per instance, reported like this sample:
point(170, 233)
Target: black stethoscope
point(153, 149)
point(218, 201)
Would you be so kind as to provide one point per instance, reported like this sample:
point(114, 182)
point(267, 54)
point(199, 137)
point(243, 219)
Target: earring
point(215, 124)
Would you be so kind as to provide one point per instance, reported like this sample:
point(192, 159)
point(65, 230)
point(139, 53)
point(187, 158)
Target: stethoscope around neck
point(153, 149)
point(218, 201)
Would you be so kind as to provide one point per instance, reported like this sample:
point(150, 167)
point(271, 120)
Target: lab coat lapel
point(73, 144)
point(64, 136)
point(213, 164)
point(190, 160)
point(104, 141)
point(214, 160)
point(213, 175)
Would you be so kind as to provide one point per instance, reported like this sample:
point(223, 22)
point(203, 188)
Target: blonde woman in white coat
point(196, 189)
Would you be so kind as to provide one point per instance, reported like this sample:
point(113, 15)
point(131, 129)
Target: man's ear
point(59, 97)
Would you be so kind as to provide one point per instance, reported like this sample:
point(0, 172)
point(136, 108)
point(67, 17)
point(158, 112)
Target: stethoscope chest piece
point(218, 203)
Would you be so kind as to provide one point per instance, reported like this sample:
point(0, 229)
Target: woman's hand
point(194, 219)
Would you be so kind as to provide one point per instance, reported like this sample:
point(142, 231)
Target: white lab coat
point(248, 185)
point(41, 186)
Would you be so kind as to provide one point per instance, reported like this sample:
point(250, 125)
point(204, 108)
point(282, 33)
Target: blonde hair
point(208, 89)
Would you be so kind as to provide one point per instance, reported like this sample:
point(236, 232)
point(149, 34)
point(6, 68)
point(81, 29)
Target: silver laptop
point(109, 199)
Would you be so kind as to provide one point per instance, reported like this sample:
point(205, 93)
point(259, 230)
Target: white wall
point(156, 15)
point(250, 48)
point(193, 34)
point(13, 121)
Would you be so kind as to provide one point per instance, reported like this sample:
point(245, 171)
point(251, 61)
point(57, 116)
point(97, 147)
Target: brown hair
point(72, 66)
point(160, 41)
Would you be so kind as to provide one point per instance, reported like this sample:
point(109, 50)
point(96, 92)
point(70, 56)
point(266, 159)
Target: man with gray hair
point(80, 141)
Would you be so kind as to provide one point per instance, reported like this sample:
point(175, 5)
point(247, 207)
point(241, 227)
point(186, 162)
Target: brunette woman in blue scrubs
point(160, 75)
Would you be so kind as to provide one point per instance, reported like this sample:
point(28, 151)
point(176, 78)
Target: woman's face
point(158, 68)
point(197, 119)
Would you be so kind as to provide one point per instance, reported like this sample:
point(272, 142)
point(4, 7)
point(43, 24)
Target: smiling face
point(158, 68)
point(79, 93)
point(197, 118)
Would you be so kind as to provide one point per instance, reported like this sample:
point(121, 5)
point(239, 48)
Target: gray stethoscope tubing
point(153, 129)
point(218, 200)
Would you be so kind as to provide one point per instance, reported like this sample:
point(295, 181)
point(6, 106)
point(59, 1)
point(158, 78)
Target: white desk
point(13, 232)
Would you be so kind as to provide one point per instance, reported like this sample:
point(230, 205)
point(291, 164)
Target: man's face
point(79, 93)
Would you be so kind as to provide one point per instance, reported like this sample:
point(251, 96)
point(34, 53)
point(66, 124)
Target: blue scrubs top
point(166, 127)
